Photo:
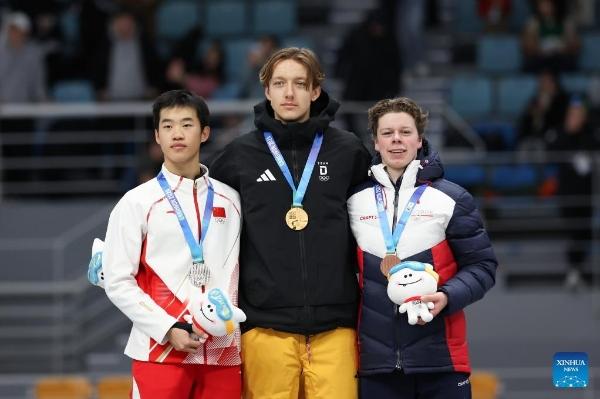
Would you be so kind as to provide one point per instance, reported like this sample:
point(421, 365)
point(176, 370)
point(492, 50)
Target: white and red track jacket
point(146, 261)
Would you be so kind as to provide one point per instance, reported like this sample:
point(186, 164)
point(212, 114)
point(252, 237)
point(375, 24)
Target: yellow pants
point(274, 363)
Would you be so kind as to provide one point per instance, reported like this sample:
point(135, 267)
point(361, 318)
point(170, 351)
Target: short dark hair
point(180, 98)
point(399, 104)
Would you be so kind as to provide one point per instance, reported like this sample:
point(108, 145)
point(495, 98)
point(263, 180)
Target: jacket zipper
point(398, 353)
point(195, 194)
point(302, 243)
point(396, 308)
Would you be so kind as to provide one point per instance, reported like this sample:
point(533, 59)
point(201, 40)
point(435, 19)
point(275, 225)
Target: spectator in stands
point(126, 65)
point(185, 70)
point(444, 229)
point(364, 78)
point(495, 14)
point(22, 70)
point(579, 139)
point(257, 55)
point(148, 262)
point(45, 31)
point(550, 38)
point(544, 114)
point(209, 75)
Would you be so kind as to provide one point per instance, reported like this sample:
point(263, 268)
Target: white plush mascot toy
point(213, 312)
point(409, 280)
point(95, 274)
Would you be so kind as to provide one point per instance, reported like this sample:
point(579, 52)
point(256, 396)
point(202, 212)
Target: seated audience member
point(494, 14)
point(544, 113)
point(578, 138)
point(22, 71)
point(550, 38)
point(125, 66)
point(209, 74)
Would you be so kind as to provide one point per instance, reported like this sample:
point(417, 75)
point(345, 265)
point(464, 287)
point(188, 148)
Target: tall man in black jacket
point(297, 262)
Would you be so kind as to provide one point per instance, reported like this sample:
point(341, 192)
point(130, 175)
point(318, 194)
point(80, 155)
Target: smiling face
point(179, 136)
point(213, 312)
point(290, 93)
point(205, 317)
point(406, 283)
point(397, 140)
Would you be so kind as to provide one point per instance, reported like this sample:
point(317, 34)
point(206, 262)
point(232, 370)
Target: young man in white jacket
point(152, 262)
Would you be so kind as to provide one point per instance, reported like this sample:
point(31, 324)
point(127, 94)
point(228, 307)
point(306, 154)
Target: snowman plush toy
point(407, 281)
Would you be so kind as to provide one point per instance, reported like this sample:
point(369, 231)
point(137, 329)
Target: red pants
point(185, 381)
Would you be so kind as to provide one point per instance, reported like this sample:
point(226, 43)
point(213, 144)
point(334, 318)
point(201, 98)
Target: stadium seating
point(498, 135)
point(466, 18)
point(471, 96)
point(298, 41)
point(514, 92)
point(236, 51)
point(498, 53)
point(274, 16)
point(114, 387)
point(484, 385)
point(73, 91)
point(175, 19)
point(590, 52)
point(465, 175)
point(576, 83)
point(519, 13)
point(225, 18)
point(63, 387)
point(514, 177)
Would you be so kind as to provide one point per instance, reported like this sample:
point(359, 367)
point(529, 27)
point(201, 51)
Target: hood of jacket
point(322, 113)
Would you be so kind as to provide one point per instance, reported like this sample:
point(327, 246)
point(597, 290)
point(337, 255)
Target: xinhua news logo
point(570, 370)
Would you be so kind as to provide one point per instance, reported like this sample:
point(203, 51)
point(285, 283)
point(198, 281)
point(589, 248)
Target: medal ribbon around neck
point(297, 193)
point(195, 246)
point(391, 240)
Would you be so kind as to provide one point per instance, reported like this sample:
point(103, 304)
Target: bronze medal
point(296, 218)
point(388, 261)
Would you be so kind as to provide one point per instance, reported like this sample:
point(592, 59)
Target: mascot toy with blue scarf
point(407, 282)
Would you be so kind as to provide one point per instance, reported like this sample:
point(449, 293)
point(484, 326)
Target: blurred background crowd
point(513, 90)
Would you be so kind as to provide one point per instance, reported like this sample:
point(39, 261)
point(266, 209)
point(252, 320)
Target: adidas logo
point(266, 176)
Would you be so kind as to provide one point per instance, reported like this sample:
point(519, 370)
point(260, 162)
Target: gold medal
point(389, 261)
point(296, 218)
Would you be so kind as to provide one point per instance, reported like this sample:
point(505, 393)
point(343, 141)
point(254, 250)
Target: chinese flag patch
point(219, 212)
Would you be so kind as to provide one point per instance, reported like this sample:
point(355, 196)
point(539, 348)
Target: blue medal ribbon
point(297, 193)
point(391, 240)
point(195, 247)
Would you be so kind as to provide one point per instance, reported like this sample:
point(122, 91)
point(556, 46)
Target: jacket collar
point(322, 113)
point(426, 168)
point(183, 183)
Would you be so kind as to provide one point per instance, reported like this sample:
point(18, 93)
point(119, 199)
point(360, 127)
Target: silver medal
point(199, 274)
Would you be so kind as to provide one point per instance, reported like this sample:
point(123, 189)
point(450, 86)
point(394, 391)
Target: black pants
point(397, 385)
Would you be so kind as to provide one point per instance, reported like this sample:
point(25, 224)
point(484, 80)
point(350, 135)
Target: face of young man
point(289, 93)
point(397, 141)
point(179, 136)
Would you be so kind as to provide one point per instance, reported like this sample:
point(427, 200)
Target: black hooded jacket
point(296, 281)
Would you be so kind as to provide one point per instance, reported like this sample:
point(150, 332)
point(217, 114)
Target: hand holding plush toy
point(409, 280)
point(213, 312)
